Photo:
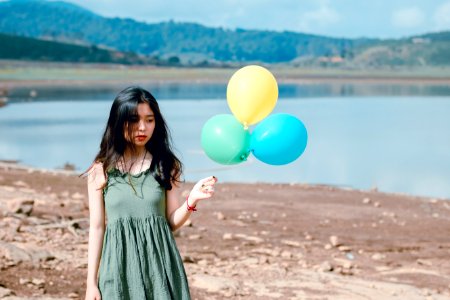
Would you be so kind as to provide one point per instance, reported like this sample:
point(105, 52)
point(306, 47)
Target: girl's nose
point(141, 125)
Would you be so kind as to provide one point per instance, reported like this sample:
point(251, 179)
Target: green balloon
point(225, 140)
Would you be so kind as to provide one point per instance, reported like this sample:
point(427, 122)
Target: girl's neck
point(134, 154)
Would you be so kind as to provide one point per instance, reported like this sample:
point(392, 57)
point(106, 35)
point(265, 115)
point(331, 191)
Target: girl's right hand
point(93, 293)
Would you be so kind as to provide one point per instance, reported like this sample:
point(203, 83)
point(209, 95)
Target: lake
point(393, 138)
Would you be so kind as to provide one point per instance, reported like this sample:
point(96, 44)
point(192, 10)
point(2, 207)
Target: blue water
point(395, 144)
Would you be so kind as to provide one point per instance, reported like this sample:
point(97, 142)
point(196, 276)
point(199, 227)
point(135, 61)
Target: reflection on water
point(396, 144)
point(218, 91)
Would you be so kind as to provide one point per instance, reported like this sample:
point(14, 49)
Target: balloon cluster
point(252, 94)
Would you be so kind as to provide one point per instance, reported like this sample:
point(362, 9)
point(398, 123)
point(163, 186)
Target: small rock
point(254, 239)
point(366, 200)
point(22, 206)
point(286, 254)
point(220, 216)
point(328, 247)
point(73, 295)
point(326, 267)
point(188, 259)
point(227, 236)
point(202, 262)
point(250, 261)
point(77, 196)
point(334, 241)
point(291, 243)
point(378, 256)
point(195, 237)
point(424, 262)
point(4, 292)
point(263, 260)
point(377, 204)
point(38, 282)
point(24, 281)
point(344, 248)
point(64, 194)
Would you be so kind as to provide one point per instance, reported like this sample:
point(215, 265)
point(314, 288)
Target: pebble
point(291, 243)
point(227, 236)
point(77, 196)
point(220, 216)
point(366, 200)
point(4, 292)
point(195, 237)
point(334, 241)
point(344, 248)
point(38, 282)
point(326, 267)
point(73, 295)
point(21, 206)
point(378, 256)
point(24, 281)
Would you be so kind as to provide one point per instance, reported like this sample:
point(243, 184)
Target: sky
point(337, 18)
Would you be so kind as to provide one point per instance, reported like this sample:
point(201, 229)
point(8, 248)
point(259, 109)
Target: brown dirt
point(261, 241)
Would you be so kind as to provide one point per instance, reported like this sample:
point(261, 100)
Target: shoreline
point(25, 74)
point(16, 165)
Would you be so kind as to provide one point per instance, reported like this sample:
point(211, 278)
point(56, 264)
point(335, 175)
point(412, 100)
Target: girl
point(134, 181)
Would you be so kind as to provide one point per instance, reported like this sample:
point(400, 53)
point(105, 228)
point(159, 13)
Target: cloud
point(322, 16)
point(408, 17)
point(441, 17)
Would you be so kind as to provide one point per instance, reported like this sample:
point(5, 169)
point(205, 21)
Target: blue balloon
point(279, 139)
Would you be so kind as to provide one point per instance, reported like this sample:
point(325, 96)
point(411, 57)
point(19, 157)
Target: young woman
point(134, 182)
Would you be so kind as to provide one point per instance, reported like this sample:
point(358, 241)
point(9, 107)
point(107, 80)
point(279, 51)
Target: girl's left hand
point(203, 189)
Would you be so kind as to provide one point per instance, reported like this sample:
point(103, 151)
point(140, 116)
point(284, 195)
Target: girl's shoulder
point(96, 175)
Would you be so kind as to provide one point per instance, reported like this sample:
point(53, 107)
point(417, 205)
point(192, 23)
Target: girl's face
point(143, 125)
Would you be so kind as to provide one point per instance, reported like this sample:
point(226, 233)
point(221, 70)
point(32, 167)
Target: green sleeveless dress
point(140, 259)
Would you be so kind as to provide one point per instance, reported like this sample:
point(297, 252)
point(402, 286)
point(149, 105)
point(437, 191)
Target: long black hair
point(165, 167)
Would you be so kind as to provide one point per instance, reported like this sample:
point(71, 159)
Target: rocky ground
point(251, 241)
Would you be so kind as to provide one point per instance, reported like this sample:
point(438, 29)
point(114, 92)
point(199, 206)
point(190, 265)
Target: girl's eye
point(150, 120)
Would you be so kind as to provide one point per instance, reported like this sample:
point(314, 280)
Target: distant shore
point(21, 74)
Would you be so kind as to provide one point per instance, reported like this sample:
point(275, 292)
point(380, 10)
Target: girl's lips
point(141, 137)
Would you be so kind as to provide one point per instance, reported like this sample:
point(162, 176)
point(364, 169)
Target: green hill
point(195, 44)
point(22, 48)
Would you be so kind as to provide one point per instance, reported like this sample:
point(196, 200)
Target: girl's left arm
point(178, 214)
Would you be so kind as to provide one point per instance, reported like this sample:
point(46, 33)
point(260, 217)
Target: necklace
point(140, 170)
point(129, 171)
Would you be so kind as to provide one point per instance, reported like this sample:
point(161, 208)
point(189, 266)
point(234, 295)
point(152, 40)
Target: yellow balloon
point(252, 93)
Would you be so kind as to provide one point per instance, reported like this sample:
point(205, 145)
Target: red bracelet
point(190, 208)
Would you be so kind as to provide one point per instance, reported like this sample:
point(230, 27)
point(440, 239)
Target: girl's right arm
point(96, 180)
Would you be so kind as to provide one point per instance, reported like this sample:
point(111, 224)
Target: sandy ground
point(251, 241)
